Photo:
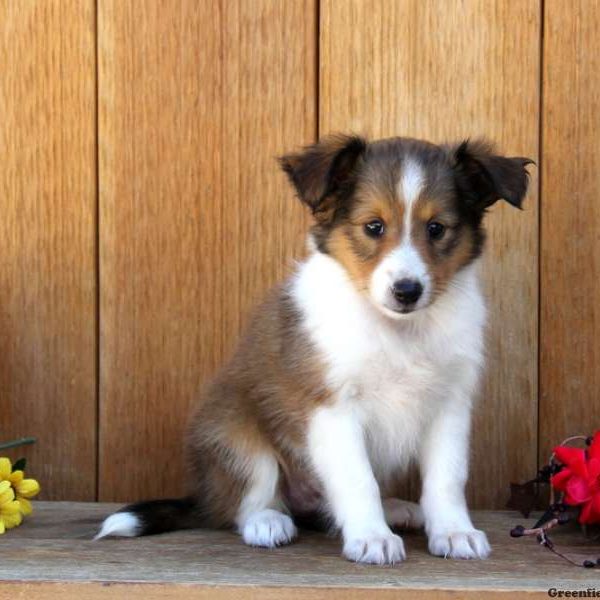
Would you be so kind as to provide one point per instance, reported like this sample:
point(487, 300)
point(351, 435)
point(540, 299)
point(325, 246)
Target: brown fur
point(261, 401)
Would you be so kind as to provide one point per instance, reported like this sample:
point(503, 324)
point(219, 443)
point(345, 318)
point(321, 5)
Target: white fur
point(402, 391)
point(121, 524)
point(258, 520)
point(339, 455)
point(268, 528)
point(410, 188)
point(263, 476)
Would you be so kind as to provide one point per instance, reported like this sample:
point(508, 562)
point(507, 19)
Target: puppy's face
point(402, 216)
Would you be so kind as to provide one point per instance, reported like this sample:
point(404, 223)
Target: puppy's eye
point(375, 228)
point(435, 230)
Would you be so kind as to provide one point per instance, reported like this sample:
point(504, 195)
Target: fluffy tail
point(155, 516)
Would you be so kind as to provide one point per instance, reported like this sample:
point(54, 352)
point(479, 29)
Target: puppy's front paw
point(470, 543)
point(377, 549)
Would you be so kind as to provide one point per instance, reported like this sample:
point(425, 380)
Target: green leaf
point(20, 465)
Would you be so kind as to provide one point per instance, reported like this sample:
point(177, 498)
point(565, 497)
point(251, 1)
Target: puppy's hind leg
point(261, 519)
point(402, 514)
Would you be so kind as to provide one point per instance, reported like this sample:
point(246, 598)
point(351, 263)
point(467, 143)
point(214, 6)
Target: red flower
point(579, 479)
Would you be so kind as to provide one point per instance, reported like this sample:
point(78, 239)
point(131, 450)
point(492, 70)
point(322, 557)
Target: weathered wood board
point(55, 545)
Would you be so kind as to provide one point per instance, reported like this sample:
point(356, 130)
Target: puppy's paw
point(268, 528)
point(377, 549)
point(403, 514)
point(470, 543)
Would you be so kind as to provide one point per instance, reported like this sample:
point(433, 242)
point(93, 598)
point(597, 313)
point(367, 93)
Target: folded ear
point(322, 170)
point(482, 177)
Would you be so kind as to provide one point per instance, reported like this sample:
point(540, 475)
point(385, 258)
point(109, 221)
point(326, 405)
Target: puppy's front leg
point(339, 456)
point(444, 467)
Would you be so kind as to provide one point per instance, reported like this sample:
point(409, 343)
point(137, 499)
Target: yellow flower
point(24, 488)
point(5, 468)
point(10, 509)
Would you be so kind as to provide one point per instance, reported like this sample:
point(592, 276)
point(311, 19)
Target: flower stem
point(16, 443)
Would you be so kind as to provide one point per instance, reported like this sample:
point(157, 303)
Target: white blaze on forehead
point(404, 261)
point(410, 187)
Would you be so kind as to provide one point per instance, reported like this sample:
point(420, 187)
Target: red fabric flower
point(579, 479)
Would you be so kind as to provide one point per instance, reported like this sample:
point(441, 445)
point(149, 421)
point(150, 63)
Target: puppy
point(367, 358)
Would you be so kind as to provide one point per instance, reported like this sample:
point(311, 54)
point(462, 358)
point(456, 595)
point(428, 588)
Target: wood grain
point(446, 71)
point(570, 259)
point(48, 590)
point(47, 240)
point(55, 544)
point(196, 100)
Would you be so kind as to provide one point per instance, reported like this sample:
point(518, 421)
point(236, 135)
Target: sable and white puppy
point(366, 358)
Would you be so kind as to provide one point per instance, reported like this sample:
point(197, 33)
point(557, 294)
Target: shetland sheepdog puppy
point(365, 359)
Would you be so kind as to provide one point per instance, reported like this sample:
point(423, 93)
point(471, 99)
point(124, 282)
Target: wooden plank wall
point(196, 101)
point(570, 226)
point(145, 257)
point(47, 240)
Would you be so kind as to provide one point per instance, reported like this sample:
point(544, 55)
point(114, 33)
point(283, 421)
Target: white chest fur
point(392, 375)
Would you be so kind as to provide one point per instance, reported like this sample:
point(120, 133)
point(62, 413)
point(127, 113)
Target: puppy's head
point(402, 216)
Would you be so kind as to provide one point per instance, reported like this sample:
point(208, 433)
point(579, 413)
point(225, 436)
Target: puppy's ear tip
point(525, 162)
point(515, 199)
point(286, 162)
point(461, 148)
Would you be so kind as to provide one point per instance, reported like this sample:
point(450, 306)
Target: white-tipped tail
point(124, 524)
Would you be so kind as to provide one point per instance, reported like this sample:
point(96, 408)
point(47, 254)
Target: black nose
point(407, 291)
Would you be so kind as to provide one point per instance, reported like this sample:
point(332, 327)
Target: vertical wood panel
point(570, 265)
point(196, 100)
point(444, 71)
point(47, 240)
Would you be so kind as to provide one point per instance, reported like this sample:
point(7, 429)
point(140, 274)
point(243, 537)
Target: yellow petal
point(5, 468)
point(16, 477)
point(7, 494)
point(10, 508)
point(26, 507)
point(12, 520)
point(28, 488)
point(2, 528)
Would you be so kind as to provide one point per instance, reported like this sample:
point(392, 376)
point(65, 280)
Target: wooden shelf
point(52, 556)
